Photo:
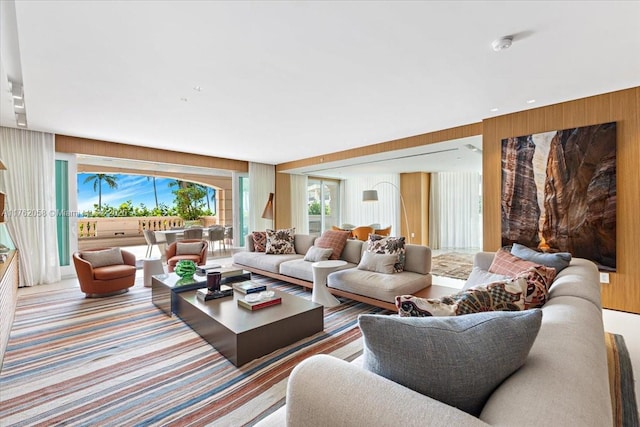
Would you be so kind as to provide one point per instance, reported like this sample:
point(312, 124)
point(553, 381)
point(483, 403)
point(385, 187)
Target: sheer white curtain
point(455, 211)
point(30, 187)
point(299, 208)
point(262, 181)
point(386, 211)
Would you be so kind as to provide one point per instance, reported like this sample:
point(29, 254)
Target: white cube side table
point(320, 293)
point(150, 267)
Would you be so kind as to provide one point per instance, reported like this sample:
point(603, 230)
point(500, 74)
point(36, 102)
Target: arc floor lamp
point(372, 196)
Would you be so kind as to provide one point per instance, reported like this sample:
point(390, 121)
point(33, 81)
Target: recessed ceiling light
point(530, 101)
point(183, 99)
point(197, 88)
point(493, 110)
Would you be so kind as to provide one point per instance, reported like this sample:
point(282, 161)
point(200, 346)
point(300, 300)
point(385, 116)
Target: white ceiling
point(282, 81)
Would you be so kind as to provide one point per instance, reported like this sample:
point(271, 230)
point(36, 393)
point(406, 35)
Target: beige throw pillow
point(103, 257)
point(193, 248)
point(380, 263)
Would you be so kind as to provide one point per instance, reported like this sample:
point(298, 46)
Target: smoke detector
point(502, 43)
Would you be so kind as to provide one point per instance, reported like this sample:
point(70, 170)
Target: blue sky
point(130, 187)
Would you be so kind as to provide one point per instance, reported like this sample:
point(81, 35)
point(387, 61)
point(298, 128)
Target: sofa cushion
point(558, 260)
point(508, 295)
point(352, 251)
point(419, 353)
point(302, 243)
point(509, 265)
point(112, 256)
point(259, 241)
point(388, 245)
point(383, 287)
point(262, 261)
point(381, 263)
point(315, 254)
point(280, 242)
point(193, 248)
point(417, 259)
point(301, 269)
point(539, 281)
point(333, 239)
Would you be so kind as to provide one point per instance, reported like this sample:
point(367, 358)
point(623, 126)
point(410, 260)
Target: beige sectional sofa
point(366, 286)
point(564, 381)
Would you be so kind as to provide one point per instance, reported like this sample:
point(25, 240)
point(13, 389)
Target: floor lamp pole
point(404, 208)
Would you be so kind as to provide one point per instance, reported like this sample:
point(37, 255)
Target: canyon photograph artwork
point(559, 192)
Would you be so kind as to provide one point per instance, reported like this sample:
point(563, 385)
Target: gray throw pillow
point(558, 260)
point(103, 257)
point(457, 360)
point(315, 254)
point(381, 263)
point(193, 248)
point(479, 276)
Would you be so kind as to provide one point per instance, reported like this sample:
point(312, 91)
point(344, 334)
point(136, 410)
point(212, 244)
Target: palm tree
point(97, 179)
point(155, 191)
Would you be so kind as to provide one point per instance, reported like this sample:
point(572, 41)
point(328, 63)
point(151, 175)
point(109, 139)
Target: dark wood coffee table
point(164, 287)
point(242, 335)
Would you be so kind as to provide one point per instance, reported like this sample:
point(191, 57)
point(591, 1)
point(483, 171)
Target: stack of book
point(206, 295)
point(248, 287)
point(261, 303)
point(202, 271)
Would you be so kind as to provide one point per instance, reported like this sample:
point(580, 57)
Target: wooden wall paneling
point(411, 190)
point(623, 291)
point(426, 214)
point(75, 145)
point(282, 206)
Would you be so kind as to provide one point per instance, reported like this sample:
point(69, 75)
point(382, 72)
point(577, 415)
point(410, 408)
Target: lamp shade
point(268, 209)
point(2, 166)
point(370, 196)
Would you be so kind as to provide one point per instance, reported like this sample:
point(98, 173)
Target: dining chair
point(193, 233)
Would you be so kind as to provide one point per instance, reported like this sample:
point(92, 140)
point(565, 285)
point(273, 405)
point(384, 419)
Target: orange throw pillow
point(333, 239)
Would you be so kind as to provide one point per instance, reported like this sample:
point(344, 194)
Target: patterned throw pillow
point(539, 279)
point(280, 242)
point(509, 265)
point(259, 240)
point(507, 295)
point(390, 246)
point(333, 239)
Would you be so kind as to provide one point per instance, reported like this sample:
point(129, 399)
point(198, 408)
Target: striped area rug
point(121, 361)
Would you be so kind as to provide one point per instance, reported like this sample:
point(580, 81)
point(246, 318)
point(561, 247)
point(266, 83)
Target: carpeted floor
point(621, 382)
point(121, 361)
point(452, 264)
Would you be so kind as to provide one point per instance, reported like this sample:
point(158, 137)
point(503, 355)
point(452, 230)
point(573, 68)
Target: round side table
point(151, 267)
point(321, 270)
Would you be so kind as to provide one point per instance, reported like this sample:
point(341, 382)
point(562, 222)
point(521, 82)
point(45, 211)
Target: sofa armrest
point(483, 260)
point(326, 391)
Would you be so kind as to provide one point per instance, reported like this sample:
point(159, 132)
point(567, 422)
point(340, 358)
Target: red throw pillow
point(333, 239)
point(509, 265)
point(259, 240)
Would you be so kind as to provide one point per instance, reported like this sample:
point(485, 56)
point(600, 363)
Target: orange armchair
point(187, 251)
point(104, 280)
point(383, 231)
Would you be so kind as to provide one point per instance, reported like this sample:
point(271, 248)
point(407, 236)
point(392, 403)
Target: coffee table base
point(251, 342)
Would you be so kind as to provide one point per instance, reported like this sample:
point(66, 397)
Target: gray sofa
point(564, 381)
point(366, 286)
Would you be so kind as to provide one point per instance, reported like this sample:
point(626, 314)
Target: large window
point(323, 200)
